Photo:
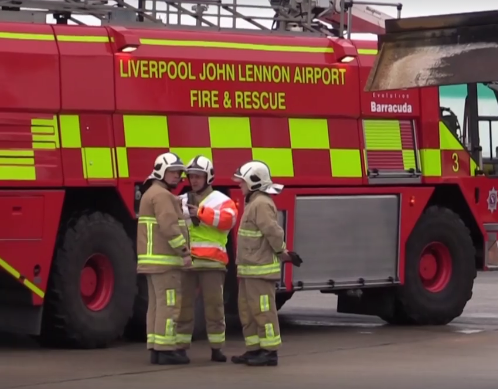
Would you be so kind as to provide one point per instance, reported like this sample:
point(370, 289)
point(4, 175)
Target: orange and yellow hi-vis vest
point(217, 214)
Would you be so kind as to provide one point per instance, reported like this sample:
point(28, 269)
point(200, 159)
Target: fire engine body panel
point(360, 168)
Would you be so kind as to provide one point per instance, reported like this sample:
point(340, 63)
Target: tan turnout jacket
point(162, 236)
point(259, 239)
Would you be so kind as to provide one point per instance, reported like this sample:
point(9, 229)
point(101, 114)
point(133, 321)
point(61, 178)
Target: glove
point(195, 220)
point(295, 258)
point(291, 256)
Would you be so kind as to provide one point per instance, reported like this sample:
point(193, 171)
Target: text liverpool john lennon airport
point(241, 73)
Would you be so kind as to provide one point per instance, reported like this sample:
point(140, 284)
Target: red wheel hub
point(435, 267)
point(97, 282)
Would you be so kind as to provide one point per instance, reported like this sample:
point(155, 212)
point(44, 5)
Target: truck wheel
point(398, 317)
point(136, 329)
point(92, 284)
point(439, 270)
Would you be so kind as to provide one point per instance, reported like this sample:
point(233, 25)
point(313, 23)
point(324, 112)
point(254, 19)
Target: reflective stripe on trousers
point(252, 340)
point(270, 339)
point(216, 338)
point(212, 338)
point(184, 338)
point(169, 338)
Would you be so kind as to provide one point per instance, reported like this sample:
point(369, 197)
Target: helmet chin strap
point(170, 186)
point(249, 195)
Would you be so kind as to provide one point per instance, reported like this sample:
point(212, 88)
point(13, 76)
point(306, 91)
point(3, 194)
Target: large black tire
point(70, 322)
point(398, 316)
point(136, 329)
point(439, 230)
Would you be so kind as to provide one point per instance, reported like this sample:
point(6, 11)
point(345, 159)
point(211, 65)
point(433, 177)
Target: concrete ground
point(322, 349)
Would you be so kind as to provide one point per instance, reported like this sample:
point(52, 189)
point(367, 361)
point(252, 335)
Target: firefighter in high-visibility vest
point(210, 217)
point(163, 250)
point(260, 250)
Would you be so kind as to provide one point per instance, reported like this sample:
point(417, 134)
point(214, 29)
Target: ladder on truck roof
point(337, 18)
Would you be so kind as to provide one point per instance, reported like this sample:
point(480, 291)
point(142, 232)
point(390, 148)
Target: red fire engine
point(382, 200)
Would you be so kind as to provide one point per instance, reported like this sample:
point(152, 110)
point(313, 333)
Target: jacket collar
point(254, 195)
point(206, 192)
point(162, 184)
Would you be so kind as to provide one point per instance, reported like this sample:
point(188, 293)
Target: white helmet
point(257, 176)
point(203, 165)
point(164, 162)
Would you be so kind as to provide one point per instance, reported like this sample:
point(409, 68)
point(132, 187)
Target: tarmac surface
point(322, 349)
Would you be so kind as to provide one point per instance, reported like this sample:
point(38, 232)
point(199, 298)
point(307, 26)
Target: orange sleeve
point(223, 218)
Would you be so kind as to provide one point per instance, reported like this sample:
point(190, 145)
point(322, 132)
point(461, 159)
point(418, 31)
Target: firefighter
point(260, 246)
point(162, 248)
point(210, 217)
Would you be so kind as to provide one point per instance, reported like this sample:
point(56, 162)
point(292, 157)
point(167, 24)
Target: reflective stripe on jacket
point(162, 234)
point(259, 239)
point(217, 215)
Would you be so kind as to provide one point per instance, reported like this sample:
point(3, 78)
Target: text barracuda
point(241, 73)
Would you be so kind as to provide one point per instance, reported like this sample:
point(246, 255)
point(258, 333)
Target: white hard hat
point(164, 162)
point(257, 176)
point(203, 165)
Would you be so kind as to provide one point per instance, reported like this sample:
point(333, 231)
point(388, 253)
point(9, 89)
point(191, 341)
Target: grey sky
point(434, 7)
point(410, 7)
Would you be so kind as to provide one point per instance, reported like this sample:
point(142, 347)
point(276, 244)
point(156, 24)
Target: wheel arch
point(451, 197)
point(104, 199)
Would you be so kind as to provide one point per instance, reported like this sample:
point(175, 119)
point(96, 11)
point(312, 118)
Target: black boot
point(154, 357)
point(172, 358)
point(183, 354)
point(265, 358)
point(241, 359)
point(217, 355)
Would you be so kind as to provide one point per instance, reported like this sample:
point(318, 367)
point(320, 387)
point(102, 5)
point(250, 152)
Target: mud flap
point(436, 50)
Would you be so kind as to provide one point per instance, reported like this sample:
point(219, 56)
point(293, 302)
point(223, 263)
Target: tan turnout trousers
point(164, 308)
point(211, 284)
point(258, 314)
